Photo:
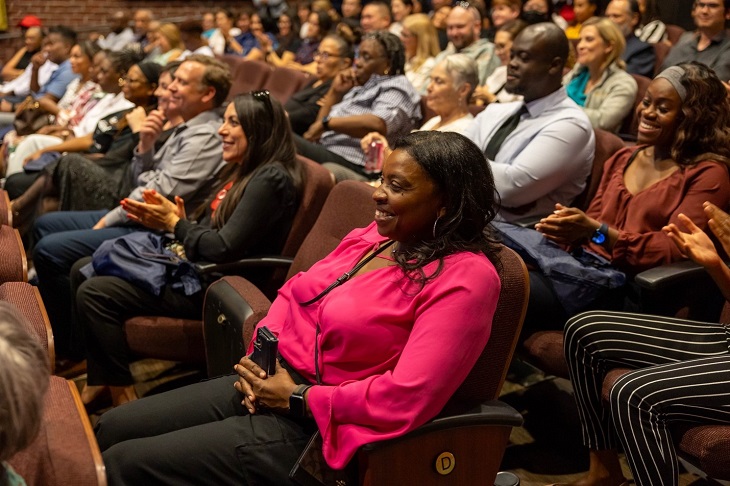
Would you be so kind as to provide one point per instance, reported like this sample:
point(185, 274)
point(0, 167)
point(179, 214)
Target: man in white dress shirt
point(547, 156)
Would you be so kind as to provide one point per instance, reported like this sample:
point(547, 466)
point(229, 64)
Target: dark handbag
point(30, 117)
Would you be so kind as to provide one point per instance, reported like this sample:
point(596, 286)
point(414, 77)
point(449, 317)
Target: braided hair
point(393, 48)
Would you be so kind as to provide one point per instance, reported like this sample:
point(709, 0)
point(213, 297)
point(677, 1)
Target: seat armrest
point(528, 222)
point(493, 413)
point(664, 276)
point(272, 261)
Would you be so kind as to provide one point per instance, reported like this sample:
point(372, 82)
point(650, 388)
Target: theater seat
point(182, 339)
point(6, 215)
point(248, 76)
point(473, 428)
point(13, 262)
point(284, 82)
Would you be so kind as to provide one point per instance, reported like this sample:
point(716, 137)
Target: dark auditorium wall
point(90, 15)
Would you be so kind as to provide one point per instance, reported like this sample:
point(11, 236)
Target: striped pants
point(682, 376)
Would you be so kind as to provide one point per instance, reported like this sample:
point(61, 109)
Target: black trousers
point(199, 434)
point(103, 304)
point(682, 376)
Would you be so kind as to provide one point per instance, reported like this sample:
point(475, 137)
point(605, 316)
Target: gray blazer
point(611, 100)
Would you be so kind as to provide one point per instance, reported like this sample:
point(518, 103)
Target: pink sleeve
point(453, 323)
point(639, 251)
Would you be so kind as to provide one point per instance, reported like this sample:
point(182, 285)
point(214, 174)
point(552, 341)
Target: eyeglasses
point(367, 57)
point(265, 96)
point(324, 55)
point(128, 80)
point(709, 6)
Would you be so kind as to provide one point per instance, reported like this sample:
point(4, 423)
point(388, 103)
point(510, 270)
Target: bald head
point(536, 64)
point(550, 38)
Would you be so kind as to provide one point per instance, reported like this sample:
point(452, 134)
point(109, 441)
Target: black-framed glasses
point(265, 96)
point(324, 55)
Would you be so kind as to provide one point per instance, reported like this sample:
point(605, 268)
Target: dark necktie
point(503, 132)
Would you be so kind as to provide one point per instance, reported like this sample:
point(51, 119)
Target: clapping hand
point(567, 226)
point(156, 212)
point(695, 244)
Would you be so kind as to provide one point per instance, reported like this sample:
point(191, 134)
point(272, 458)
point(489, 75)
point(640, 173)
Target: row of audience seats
point(13, 261)
point(254, 75)
point(474, 428)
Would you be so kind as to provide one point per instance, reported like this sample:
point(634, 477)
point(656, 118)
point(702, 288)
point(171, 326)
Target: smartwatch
point(601, 234)
point(297, 404)
point(326, 122)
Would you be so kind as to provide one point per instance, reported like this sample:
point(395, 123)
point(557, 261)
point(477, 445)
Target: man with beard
point(639, 55)
point(540, 149)
point(463, 27)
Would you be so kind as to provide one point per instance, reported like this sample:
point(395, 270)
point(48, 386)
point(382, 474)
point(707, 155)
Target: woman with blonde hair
point(169, 43)
point(598, 82)
point(420, 41)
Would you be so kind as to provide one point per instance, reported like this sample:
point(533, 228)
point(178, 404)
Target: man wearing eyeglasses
point(463, 28)
point(709, 44)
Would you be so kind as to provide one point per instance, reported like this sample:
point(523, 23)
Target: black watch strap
point(326, 122)
point(297, 403)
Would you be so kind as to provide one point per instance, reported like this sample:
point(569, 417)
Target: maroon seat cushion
point(65, 451)
point(708, 445)
point(545, 350)
point(182, 338)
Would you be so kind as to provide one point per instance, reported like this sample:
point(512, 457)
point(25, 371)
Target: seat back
point(607, 144)
point(6, 215)
point(630, 125)
point(349, 205)
point(485, 380)
point(248, 76)
point(284, 82)
point(13, 261)
point(27, 300)
point(317, 186)
point(674, 32)
point(65, 450)
point(661, 49)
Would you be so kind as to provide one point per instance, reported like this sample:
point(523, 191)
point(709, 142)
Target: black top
point(260, 223)
point(302, 107)
point(25, 59)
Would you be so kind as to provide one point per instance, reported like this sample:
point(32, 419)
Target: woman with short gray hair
point(447, 96)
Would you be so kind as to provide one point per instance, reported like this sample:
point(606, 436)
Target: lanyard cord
point(342, 279)
point(346, 276)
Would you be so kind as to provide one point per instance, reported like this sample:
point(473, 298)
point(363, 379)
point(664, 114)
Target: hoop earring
point(120, 82)
point(434, 225)
point(387, 70)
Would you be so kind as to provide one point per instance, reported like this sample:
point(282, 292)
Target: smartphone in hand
point(265, 349)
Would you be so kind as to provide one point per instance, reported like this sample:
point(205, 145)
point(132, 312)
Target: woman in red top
point(678, 164)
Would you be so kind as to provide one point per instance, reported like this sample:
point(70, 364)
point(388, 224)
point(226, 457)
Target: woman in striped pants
point(683, 373)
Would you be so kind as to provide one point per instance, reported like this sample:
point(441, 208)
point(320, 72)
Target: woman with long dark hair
point(251, 213)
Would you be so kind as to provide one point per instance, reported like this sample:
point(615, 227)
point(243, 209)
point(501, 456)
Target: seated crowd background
point(486, 120)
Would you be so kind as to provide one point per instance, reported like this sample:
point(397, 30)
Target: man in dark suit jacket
point(639, 56)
